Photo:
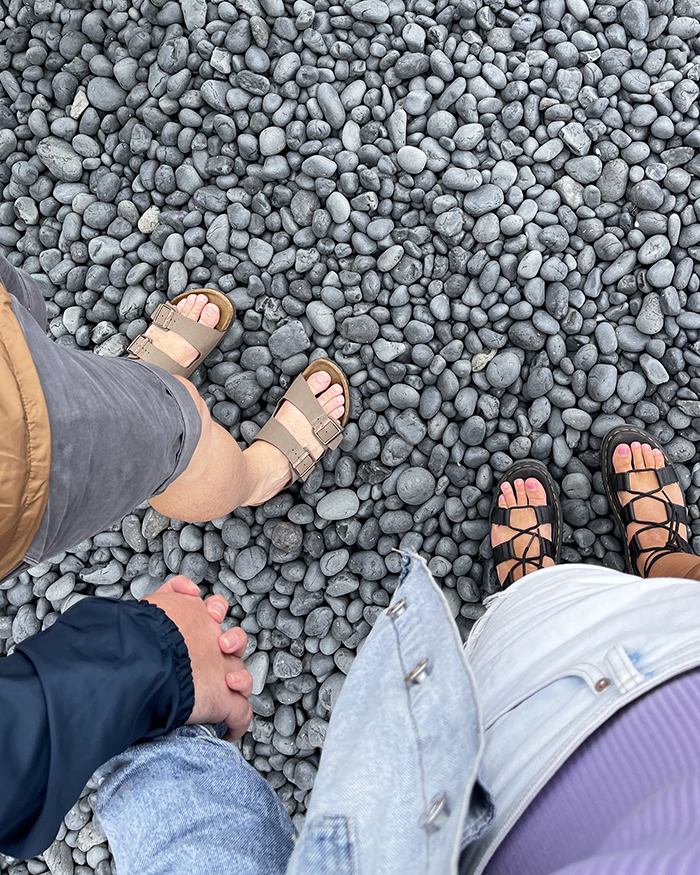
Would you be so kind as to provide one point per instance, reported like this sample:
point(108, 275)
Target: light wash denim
point(401, 784)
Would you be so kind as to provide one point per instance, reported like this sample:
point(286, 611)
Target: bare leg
point(628, 458)
point(527, 493)
point(221, 476)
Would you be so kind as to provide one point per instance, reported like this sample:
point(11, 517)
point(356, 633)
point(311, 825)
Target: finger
point(217, 606)
point(238, 719)
point(180, 584)
point(234, 641)
point(240, 682)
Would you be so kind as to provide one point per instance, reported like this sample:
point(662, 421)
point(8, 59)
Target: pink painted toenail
point(531, 484)
point(624, 451)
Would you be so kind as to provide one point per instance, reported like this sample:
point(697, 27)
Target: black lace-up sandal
point(546, 514)
point(614, 482)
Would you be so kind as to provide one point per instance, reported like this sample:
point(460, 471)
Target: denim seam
point(416, 733)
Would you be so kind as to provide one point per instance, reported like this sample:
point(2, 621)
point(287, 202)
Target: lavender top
point(626, 803)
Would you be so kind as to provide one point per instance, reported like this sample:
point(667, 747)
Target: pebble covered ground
point(488, 213)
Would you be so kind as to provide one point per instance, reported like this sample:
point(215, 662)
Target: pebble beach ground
point(487, 213)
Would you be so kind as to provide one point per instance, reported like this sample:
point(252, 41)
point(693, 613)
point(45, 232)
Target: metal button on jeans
point(436, 814)
point(397, 609)
point(418, 673)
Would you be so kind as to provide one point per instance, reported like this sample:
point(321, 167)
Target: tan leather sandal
point(202, 338)
point(327, 430)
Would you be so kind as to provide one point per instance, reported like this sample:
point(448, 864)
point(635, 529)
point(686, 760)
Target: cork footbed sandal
point(614, 482)
point(327, 430)
point(203, 338)
point(546, 514)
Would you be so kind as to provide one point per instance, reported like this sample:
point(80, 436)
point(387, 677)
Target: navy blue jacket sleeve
point(108, 673)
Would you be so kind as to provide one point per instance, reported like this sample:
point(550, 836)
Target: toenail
point(624, 450)
point(531, 484)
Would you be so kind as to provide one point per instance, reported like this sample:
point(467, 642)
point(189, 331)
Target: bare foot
point(271, 465)
point(195, 307)
point(649, 509)
point(527, 492)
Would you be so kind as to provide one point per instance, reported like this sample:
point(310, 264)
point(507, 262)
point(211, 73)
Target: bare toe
point(186, 304)
point(659, 461)
point(319, 381)
point(200, 303)
point(637, 455)
point(520, 492)
point(210, 316)
point(622, 458)
point(648, 455)
point(508, 494)
point(535, 492)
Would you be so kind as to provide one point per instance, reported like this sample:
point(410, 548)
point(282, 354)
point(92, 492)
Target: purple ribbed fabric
point(626, 803)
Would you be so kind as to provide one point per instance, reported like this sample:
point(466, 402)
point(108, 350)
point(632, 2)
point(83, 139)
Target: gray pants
point(121, 431)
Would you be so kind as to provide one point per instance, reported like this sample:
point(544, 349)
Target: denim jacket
point(433, 752)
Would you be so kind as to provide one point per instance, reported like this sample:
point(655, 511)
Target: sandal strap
point(544, 513)
point(620, 482)
point(328, 431)
point(301, 462)
point(143, 349)
point(202, 337)
point(506, 551)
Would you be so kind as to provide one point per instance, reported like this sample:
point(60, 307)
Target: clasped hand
point(222, 683)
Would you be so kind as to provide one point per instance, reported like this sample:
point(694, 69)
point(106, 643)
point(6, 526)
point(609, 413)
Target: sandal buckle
point(163, 315)
point(330, 433)
point(137, 346)
point(303, 465)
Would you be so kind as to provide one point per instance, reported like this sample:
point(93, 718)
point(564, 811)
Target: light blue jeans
point(189, 803)
point(421, 731)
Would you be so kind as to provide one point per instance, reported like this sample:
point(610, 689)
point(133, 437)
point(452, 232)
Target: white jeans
point(554, 657)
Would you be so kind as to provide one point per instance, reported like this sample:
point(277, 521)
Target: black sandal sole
point(623, 434)
point(521, 470)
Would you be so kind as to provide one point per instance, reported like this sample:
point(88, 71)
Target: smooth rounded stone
point(105, 94)
point(249, 562)
point(318, 166)
point(285, 665)
point(272, 141)
point(60, 159)
point(530, 264)
point(458, 179)
point(503, 370)
point(647, 195)
point(331, 105)
point(360, 329)
point(484, 199)
point(653, 249)
point(25, 623)
point(650, 319)
point(577, 419)
point(329, 691)
point(631, 387)
point(576, 486)
point(602, 380)
point(321, 317)
point(341, 504)
point(411, 159)
point(661, 273)
point(654, 371)
point(373, 11)
point(288, 340)
point(415, 485)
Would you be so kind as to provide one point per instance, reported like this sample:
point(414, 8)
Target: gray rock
point(341, 504)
